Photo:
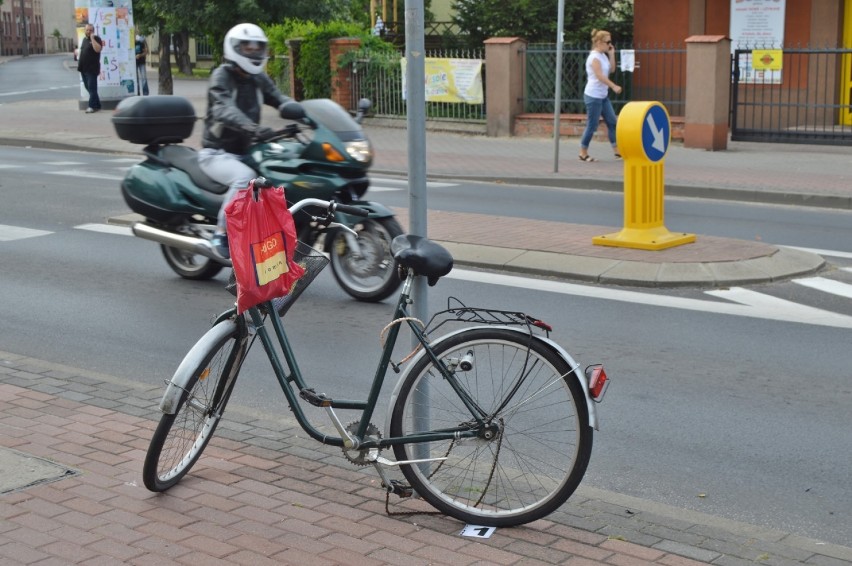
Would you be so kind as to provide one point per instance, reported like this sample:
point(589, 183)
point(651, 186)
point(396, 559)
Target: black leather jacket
point(233, 107)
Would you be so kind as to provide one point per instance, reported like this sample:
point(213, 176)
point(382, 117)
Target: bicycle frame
point(367, 407)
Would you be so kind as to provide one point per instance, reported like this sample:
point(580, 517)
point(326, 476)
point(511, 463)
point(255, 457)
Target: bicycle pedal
point(399, 488)
point(314, 398)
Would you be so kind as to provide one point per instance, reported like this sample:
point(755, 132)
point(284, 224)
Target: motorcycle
point(323, 153)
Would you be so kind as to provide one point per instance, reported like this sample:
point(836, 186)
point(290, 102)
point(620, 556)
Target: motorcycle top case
point(154, 119)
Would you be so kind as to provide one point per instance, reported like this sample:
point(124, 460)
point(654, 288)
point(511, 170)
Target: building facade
point(22, 27)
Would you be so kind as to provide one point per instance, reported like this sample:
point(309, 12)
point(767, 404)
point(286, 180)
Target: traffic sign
point(656, 132)
point(643, 132)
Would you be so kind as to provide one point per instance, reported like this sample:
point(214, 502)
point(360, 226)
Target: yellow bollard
point(643, 132)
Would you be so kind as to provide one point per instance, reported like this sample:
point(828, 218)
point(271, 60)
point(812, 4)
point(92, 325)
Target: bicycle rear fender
point(556, 348)
point(178, 383)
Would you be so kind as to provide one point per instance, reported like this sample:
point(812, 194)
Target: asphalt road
point(736, 416)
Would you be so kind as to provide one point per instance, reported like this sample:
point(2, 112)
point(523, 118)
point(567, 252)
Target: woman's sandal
point(586, 158)
point(617, 155)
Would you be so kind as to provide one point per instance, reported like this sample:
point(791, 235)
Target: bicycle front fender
point(179, 381)
point(556, 348)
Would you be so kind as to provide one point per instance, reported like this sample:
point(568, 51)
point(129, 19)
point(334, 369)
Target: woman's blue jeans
point(595, 108)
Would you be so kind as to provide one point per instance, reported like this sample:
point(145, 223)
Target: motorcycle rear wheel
point(371, 277)
point(189, 265)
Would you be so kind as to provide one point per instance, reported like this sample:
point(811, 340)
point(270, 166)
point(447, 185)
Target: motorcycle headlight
point(360, 150)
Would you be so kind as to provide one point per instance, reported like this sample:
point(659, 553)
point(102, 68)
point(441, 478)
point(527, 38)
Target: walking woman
point(599, 65)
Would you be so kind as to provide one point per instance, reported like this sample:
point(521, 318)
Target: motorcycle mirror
point(364, 104)
point(292, 110)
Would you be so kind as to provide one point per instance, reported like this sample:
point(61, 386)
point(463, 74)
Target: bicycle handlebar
point(331, 206)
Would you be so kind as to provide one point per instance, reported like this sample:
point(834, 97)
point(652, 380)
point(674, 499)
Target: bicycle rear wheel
point(180, 438)
point(540, 439)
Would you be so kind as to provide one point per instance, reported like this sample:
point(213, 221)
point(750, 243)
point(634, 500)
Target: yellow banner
point(767, 59)
point(451, 80)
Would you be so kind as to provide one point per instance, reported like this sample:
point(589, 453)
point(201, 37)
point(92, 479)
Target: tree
point(536, 20)
point(176, 21)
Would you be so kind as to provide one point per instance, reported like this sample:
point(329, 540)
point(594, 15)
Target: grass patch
point(197, 73)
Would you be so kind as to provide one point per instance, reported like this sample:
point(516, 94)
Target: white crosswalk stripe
point(106, 229)
point(64, 163)
point(9, 233)
point(824, 253)
point(827, 286)
point(4, 166)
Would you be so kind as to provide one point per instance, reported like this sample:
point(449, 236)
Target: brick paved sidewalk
point(263, 494)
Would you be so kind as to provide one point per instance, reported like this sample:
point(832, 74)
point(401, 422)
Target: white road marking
point(752, 304)
point(774, 308)
point(9, 233)
point(404, 183)
point(85, 174)
point(830, 253)
point(65, 163)
point(10, 166)
point(827, 286)
point(744, 301)
point(16, 93)
point(106, 229)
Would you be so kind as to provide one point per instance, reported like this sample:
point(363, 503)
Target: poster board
point(113, 22)
point(450, 80)
point(757, 24)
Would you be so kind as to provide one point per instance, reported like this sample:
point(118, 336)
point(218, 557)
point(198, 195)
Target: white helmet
point(245, 45)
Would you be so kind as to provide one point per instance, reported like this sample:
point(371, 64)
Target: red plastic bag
point(262, 239)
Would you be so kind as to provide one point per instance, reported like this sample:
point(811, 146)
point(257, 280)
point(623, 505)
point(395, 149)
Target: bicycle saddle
point(423, 256)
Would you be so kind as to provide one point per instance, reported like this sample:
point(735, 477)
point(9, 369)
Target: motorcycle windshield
point(334, 117)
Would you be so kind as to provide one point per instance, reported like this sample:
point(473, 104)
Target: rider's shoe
point(220, 244)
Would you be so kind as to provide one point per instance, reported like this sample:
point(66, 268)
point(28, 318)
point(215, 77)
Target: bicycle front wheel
point(534, 447)
point(180, 438)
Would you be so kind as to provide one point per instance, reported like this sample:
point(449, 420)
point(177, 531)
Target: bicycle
point(490, 423)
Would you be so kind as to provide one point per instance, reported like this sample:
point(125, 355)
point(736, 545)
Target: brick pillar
point(708, 84)
point(504, 67)
point(341, 79)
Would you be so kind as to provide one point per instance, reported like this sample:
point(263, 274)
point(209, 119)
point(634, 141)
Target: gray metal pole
point(415, 71)
point(557, 97)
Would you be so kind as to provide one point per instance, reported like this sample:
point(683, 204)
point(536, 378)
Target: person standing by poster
point(89, 66)
point(141, 71)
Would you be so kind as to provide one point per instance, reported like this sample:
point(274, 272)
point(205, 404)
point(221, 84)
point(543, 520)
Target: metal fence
point(806, 101)
point(379, 77)
point(278, 68)
point(658, 73)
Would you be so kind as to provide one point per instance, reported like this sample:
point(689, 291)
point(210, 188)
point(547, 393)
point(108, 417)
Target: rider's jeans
point(228, 169)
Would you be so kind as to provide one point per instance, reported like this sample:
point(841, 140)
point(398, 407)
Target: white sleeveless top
point(594, 87)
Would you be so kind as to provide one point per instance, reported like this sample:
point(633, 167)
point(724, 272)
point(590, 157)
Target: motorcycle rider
point(232, 122)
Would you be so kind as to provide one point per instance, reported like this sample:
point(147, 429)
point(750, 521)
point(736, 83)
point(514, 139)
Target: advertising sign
point(757, 24)
point(451, 80)
point(113, 22)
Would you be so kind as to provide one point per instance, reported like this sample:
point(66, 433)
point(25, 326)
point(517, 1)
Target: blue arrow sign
point(656, 133)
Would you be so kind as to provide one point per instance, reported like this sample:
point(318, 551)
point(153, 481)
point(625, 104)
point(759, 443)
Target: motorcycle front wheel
point(369, 274)
point(189, 265)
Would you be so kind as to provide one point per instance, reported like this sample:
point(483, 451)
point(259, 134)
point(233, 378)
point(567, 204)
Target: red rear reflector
point(598, 381)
